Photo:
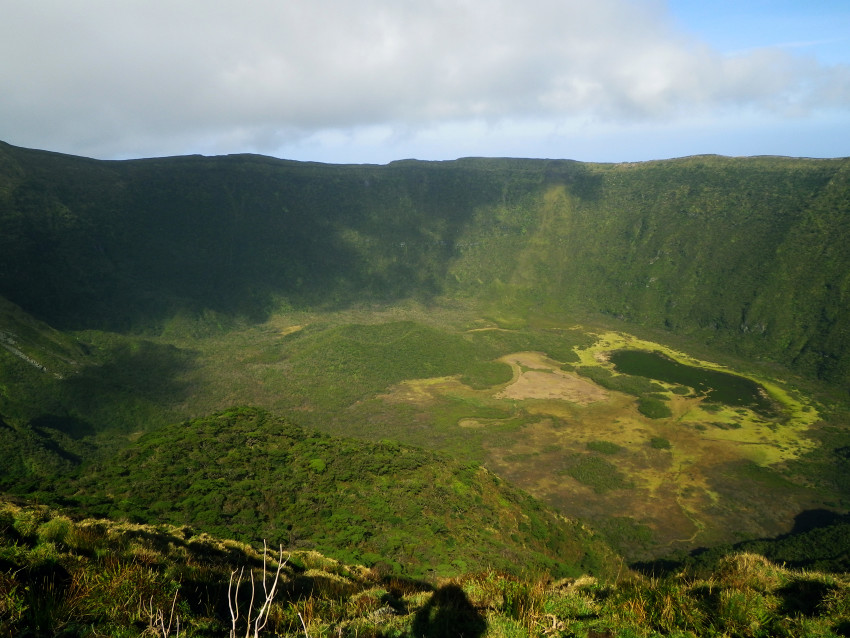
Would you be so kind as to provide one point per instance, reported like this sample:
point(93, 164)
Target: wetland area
point(714, 385)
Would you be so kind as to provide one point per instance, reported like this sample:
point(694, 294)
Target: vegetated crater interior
point(658, 350)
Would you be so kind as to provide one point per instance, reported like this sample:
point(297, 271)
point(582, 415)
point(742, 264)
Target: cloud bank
point(130, 78)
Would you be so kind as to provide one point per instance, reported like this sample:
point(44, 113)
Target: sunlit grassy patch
point(125, 577)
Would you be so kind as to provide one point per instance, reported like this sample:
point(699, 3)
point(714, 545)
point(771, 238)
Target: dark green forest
point(372, 503)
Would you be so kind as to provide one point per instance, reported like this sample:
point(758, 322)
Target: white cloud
point(139, 77)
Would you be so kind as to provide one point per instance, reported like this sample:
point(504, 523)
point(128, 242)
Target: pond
point(720, 387)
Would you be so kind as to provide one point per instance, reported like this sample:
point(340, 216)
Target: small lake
point(720, 387)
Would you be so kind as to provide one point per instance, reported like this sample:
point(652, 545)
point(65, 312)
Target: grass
point(111, 578)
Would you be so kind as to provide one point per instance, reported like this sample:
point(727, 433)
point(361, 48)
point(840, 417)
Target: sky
point(372, 81)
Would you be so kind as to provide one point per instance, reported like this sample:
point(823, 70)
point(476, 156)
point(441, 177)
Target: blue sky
point(376, 80)
point(819, 28)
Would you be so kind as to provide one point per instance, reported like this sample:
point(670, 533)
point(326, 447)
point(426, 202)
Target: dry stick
point(263, 613)
point(266, 607)
point(234, 615)
point(171, 617)
point(250, 606)
point(159, 618)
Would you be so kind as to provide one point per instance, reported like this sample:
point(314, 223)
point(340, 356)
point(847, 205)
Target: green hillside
point(539, 406)
point(744, 254)
point(246, 474)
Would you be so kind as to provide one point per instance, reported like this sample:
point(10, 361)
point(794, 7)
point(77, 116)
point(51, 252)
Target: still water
point(720, 387)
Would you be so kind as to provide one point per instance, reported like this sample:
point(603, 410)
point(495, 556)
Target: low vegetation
point(446, 380)
point(654, 408)
point(96, 577)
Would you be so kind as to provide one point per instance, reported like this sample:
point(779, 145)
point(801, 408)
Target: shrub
point(27, 522)
point(659, 443)
point(750, 571)
point(628, 384)
point(521, 601)
point(603, 447)
point(837, 602)
point(7, 517)
point(654, 408)
point(87, 536)
point(484, 374)
point(598, 474)
point(663, 604)
point(743, 612)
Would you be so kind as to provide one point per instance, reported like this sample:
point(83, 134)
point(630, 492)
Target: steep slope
point(125, 244)
point(59, 391)
point(744, 254)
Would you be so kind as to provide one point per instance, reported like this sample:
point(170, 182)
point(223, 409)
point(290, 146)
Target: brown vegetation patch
point(533, 430)
point(421, 392)
point(536, 378)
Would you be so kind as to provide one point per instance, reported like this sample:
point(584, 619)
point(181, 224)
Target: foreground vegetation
point(91, 577)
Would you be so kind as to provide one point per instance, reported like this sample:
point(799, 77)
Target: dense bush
point(245, 473)
point(654, 408)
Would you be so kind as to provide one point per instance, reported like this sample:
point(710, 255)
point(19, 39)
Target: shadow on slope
point(819, 540)
point(125, 245)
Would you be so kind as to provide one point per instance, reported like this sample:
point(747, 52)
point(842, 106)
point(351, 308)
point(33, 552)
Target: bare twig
point(232, 600)
point(262, 618)
point(303, 625)
point(157, 619)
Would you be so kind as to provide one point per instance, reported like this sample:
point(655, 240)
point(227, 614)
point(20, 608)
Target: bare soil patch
point(537, 378)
